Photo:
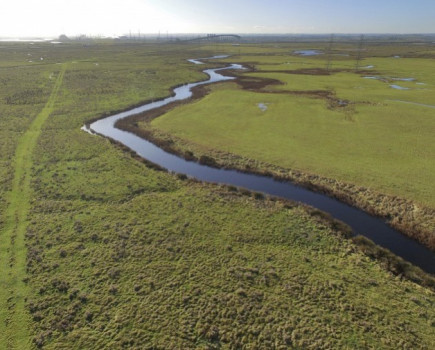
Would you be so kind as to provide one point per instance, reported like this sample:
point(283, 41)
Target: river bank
point(206, 173)
point(410, 218)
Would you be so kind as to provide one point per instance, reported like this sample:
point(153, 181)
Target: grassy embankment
point(122, 256)
point(373, 145)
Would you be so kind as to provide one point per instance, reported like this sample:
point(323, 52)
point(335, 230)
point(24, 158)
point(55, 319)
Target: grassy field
point(383, 145)
point(344, 127)
point(119, 255)
point(13, 252)
point(376, 141)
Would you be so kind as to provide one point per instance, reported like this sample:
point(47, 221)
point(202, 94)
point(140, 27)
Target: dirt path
point(14, 320)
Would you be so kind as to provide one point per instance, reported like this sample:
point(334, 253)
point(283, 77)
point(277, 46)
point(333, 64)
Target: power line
point(359, 53)
point(328, 53)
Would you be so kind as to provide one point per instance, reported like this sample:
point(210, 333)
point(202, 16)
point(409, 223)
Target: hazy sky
point(116, 17)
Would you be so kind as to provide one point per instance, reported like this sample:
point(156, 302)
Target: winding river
point(361, 223)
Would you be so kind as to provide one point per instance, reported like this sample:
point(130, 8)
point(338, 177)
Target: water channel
point(361, 223)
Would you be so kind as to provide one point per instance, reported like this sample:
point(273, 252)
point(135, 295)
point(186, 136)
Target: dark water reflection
point(362, 223)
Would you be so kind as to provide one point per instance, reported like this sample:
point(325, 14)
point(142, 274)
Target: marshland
point(102, 249)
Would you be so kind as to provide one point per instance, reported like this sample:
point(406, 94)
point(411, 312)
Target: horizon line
point(53, 36)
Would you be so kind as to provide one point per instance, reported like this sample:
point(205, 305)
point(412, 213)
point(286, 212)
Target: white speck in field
point(397, 87)
point(262, 106)
point(342, 103)
point(404, 79)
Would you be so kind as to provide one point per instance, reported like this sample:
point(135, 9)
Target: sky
point(50, 18)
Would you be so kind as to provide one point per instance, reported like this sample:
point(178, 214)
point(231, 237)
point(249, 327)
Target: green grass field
point(356, 137)
point(376, 141)
point(383, 145)
point(118, 255)
point(13, 250)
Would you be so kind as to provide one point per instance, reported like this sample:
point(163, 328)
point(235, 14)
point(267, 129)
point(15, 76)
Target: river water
point(361, 223)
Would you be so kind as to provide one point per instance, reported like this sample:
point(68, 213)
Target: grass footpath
point(13, 316)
